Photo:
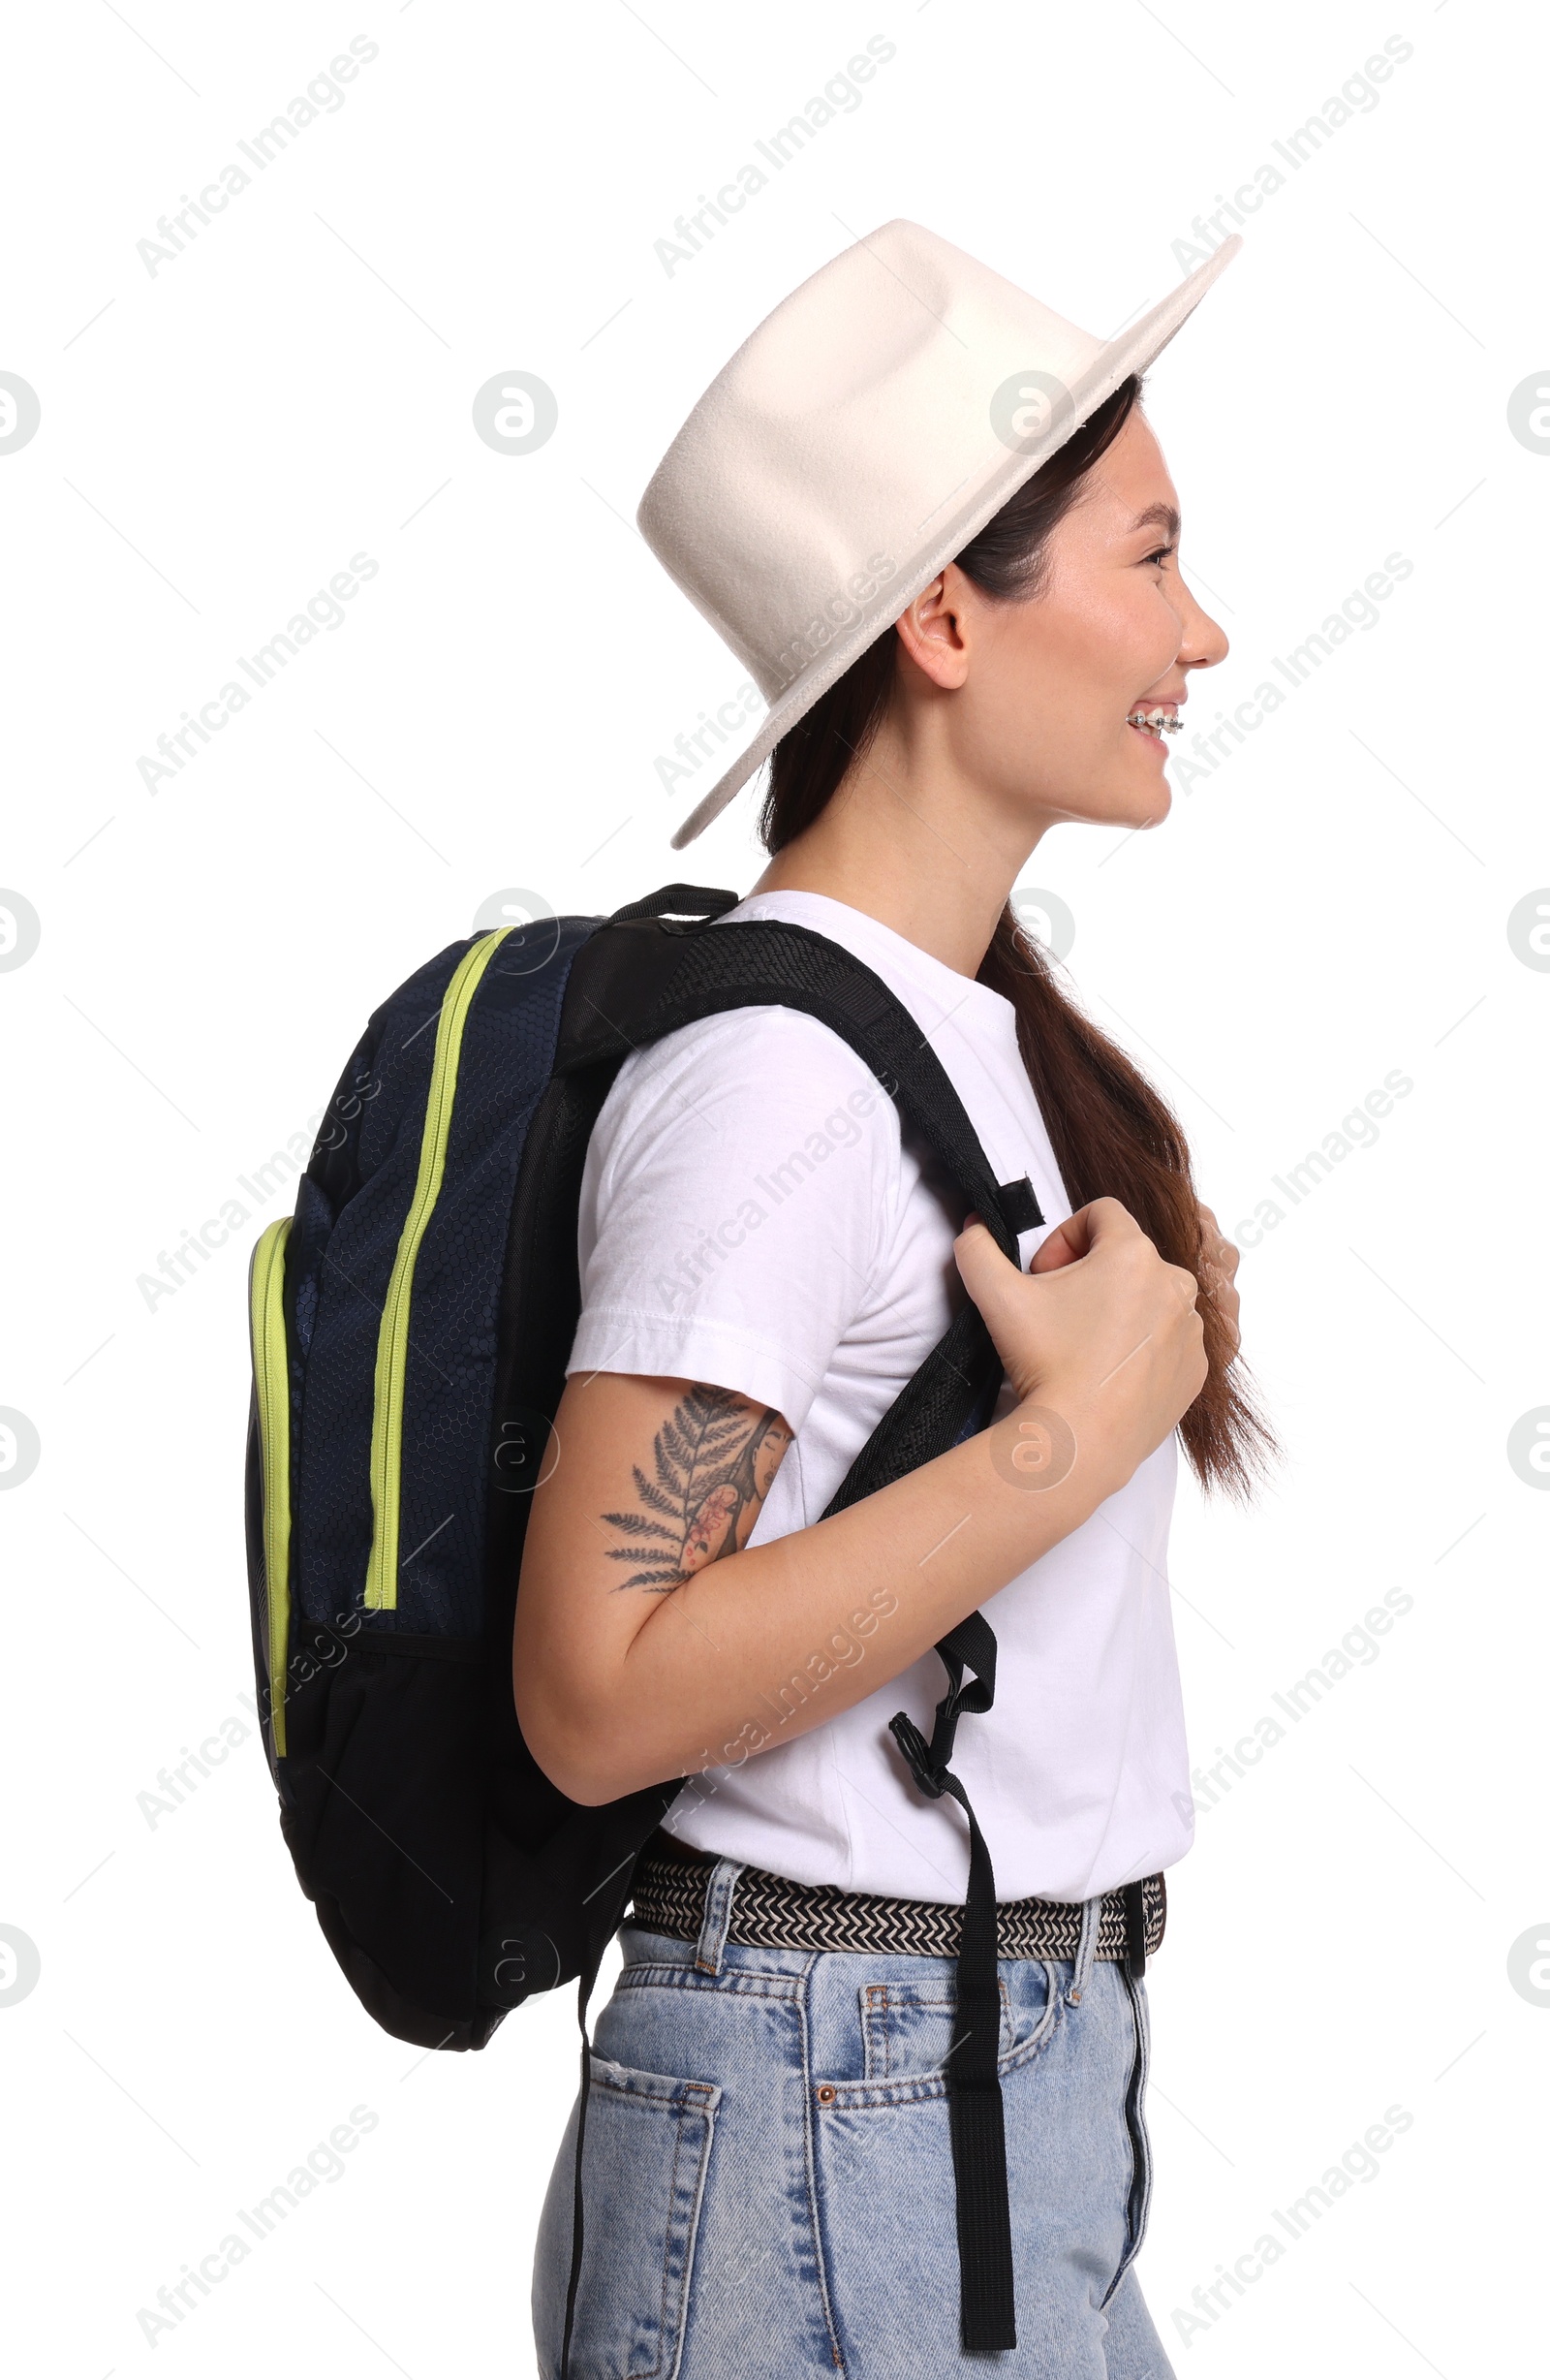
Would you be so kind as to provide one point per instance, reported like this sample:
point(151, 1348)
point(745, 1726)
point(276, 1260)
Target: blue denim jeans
point(768, 2173)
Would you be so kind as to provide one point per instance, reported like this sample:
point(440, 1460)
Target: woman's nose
point(1204, 642)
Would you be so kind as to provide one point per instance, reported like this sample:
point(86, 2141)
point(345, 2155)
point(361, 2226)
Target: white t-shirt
point(753, 1217)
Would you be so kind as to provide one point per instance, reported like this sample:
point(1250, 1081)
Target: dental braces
point(1166, 721)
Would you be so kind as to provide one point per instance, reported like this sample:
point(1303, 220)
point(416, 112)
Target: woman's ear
point(933, 630)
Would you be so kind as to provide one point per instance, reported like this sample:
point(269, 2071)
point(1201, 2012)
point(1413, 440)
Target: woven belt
point(771, 1912)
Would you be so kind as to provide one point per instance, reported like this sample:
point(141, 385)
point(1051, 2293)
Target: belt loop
point(719, 1887)
point(1086, 1949)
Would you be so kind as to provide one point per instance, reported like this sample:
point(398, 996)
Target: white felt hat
point(856, 442)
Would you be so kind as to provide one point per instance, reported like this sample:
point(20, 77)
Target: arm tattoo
point(714, 1461)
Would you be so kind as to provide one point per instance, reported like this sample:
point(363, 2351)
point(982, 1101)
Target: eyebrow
point(1156, 517)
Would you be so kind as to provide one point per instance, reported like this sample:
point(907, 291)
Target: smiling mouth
point(1158, 723)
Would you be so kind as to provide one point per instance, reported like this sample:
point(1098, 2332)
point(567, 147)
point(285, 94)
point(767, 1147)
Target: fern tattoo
point(713, 1463)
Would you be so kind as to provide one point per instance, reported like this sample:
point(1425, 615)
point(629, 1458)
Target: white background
point(217, 439)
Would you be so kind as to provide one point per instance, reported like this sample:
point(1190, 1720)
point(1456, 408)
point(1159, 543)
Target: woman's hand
point(1100, 1329)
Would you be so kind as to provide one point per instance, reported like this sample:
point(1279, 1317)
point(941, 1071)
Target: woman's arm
point(652, 1641)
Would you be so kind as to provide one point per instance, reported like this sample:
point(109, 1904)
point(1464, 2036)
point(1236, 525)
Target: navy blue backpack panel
point(410, 1325)
point(390, 1721)
point(360, 1190)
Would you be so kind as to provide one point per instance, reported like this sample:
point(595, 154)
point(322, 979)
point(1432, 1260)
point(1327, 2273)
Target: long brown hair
point(1112, 1132)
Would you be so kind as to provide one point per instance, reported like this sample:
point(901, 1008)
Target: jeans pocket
point(1140, 2200)
point(643, 2167)
point(907, 2029)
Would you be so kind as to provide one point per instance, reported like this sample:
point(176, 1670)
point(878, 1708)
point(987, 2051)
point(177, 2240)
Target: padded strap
point(764, 963)
point(949, 1399)
point(659, 983)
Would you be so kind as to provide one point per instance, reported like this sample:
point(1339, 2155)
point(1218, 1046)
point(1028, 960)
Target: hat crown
point(854, 425)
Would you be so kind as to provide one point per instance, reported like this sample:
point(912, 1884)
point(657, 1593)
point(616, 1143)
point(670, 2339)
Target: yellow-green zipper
point(272, 1383)
point(393, 1337)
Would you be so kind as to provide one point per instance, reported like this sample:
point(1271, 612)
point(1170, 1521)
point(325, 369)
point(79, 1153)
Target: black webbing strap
point(588, 1977)
point(1020, 1206)
point(1135, 1931)
point(987, 2310)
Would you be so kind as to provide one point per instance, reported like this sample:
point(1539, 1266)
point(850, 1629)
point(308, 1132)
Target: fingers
point(980, 1263)
point(1184, 1282)
point(1108, 1219)
point(1218, 1250)
point(1066, 1244)
point(1101, 1219)
point(993, 1282)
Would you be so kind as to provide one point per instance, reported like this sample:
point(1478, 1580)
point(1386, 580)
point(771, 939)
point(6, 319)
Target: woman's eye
point(1162, 553)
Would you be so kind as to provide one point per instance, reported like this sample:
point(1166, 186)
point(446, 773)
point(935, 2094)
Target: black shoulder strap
point(644, 975)
point(638, 980)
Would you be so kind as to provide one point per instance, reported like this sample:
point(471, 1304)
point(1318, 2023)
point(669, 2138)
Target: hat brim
point(1132, 352)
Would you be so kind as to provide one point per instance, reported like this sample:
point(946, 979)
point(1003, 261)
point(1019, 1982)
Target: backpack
point(410, 1328)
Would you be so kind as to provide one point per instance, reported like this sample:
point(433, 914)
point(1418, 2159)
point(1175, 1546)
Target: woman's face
point(1045, 688)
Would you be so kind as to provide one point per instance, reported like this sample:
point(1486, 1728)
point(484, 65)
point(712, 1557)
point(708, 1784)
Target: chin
point(1126, 805)
point(1148, 794)
point(1122, 796)
point(1152, 812)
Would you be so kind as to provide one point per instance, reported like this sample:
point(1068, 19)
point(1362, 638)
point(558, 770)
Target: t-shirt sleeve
point(740, 1193)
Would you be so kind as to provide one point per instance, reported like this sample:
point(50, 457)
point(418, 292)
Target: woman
point(766, 1260)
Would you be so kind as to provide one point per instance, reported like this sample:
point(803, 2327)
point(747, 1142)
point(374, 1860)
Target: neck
point(914, 852)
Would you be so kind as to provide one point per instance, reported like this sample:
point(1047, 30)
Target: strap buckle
point(972, 1644)
point(929, 1773)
